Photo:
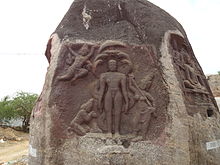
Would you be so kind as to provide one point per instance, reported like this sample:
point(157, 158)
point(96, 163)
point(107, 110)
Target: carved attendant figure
point(146, 105)
point(76, 69)
point(113, 95)
point(83, 117)
point(192, 80)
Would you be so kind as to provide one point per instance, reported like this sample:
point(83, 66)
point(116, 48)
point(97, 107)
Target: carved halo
point(105, 54)
point(110, 43)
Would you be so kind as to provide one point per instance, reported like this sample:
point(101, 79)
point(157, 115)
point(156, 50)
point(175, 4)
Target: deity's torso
point(113, 79)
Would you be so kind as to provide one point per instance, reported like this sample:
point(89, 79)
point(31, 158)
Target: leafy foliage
point(219, 72)
point(6, 111)
point(19, 106)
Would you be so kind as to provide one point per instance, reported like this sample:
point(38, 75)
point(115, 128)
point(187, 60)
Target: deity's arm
point(101, 90)
point(124, 90)
point(79, 119)
point(149, 99)
point(90, 53)
point(87, 116)
point(186, 68)
point(72, 52)
point(131, 87)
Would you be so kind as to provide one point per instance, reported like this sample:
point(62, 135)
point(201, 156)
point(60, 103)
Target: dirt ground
point(13, 146)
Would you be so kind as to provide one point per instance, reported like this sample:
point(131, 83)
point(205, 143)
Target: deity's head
point(84, 50)
point(112, 65)
point(143, 84)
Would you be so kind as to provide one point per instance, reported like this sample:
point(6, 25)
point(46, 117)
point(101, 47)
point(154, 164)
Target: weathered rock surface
point(123, 88)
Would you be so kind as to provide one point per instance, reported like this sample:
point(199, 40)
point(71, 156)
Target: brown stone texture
point(123, 88)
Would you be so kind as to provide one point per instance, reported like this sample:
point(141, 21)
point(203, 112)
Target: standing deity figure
point(113, 97)
point(76, 62)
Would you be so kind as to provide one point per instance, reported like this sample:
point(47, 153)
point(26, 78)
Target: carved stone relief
point(196, 91)
point(80, 123)
point(121, 94)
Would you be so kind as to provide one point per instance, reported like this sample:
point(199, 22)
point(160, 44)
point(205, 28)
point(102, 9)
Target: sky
point(26, 26)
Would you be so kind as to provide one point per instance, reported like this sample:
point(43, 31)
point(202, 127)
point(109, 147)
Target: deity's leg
point(79, 130)
point(145, 125)
point(68, 76)
point(118, 102)
point(81, 73)
point(108, 111)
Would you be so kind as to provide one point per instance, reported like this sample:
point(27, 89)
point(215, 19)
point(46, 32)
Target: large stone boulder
point(123, 88)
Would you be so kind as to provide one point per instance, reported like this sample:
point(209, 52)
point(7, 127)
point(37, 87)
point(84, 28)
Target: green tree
point(19, 106)
point(6, 110)
point(219, 72)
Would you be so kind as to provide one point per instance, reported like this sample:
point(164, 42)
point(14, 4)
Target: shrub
point(19, 106)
